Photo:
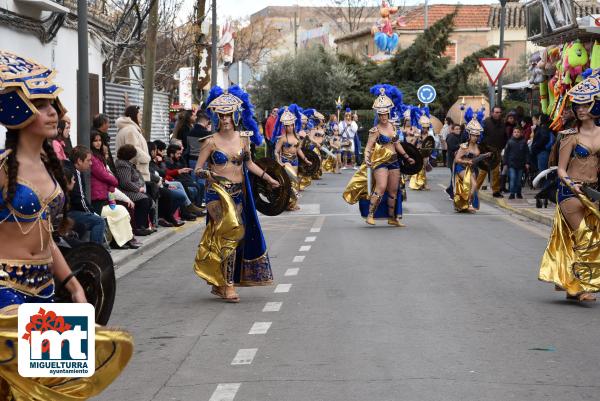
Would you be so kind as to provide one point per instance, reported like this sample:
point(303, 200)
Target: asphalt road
point(448, 308)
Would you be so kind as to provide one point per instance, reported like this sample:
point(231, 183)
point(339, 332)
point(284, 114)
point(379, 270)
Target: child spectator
point(516, 157)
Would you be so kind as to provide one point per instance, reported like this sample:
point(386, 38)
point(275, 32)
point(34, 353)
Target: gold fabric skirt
point(572, 257)
point(113, 351)
point(419, 180)
point(304, 182)
point(329, 165)
point(462, 190)
point(219, 241)
point(357, 186)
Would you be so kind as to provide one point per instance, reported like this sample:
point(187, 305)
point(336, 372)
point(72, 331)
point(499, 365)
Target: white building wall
point(60, 54)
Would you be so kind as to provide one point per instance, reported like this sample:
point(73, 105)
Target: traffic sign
point(493, 67)
point(426, 94)
point(240, 73)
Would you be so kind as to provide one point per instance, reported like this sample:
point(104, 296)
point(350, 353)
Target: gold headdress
point(586, 91)
point(319, 116)
point(383, 104)
point(287, 117)
point(425, 121)
point(474, 127)
point(225, 104)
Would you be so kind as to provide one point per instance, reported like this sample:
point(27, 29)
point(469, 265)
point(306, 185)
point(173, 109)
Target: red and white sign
point(493, 67)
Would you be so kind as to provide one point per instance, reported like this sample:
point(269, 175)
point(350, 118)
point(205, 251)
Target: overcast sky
point(242, 8)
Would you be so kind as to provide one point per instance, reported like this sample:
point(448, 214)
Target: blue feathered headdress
point(468, 114)
point(310, 113)
point(415, 115)
point(278, 129)
point(393, 93)
point(245, 112)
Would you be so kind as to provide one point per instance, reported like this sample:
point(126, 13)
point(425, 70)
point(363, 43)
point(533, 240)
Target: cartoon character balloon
point(385, 38)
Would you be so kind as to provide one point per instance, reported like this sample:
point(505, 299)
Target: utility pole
point(83, 84)
point(150, 70)
point(213, 50)
point(501, 51)
point(198, 47)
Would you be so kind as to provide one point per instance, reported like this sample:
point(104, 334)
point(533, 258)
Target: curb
point(528, 213)
point(123, 257)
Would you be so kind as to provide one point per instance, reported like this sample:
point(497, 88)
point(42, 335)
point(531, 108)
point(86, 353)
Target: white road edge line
point(310, 239)
point(304, 248)
point(260, 328)
point(282, 288)
point(225, 392)
point(318, 224)
point(292, 271)
point(272, 307)
point(244, 356)
point(299, 259)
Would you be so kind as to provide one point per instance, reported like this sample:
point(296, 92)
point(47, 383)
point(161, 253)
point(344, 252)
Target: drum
point(268, 200)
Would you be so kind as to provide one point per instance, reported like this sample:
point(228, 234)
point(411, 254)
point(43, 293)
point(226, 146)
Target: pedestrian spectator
point(177, 170)
point(494, 136)
point(453, 141)
point(133, 185)
point(103, 186)
point(129, 132)
point(168, 201)
point(526, 124)
point(516, 158)
point(185, 121)
point(101, 124)
point(191, 147)
point(60, 142)
point(541, 142)
point(80, 210)
point(269, 127)
point(66, 134)
point(444, 132)
point(510, 123)
point(190, 211)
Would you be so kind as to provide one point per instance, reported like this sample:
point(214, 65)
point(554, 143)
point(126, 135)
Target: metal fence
point(114, 106)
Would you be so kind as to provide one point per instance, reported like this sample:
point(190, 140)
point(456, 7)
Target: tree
point(314, 78)
point(254, 42)
point(350, 15)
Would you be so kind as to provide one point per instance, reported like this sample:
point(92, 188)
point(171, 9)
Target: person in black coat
point(516, 157)
point(453, 141)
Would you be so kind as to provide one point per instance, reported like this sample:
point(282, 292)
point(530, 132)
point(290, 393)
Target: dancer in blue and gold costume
point(32, 204)
point(383, 155)
point(288, 151)
point(232, 250)
point(465, 173)
point(572, 258)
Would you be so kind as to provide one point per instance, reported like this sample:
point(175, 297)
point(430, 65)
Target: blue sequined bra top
point(27, 205)
point(581, 151)
point(384, 139)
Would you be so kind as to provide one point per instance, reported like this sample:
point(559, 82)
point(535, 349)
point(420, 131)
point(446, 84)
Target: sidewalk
point(122, 256)
point(524, 207)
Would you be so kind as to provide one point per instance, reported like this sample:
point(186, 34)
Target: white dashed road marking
point(244, 356)
point(225, 392)
point(282, 288)
point(298, 259)
point(304, 248)
point(260, 328)
point(272, 307)
point(291, 271)
point(315, 230)
point(310, 239)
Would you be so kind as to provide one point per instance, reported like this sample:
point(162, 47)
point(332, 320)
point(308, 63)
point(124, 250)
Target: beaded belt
point(30, 278)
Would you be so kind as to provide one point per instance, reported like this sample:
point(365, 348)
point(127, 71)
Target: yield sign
point(493, 67)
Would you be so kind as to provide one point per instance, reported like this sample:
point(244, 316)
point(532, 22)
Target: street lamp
point(501, 51)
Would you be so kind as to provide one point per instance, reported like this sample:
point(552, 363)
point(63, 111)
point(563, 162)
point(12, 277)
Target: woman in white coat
point(129, 132)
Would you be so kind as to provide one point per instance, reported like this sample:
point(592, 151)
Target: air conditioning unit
point(46, 5)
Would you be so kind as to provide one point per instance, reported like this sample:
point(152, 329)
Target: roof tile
point(468, 16)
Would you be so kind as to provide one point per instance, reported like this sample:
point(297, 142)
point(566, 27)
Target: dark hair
point(172, 149)
point(456, 125)
point(97, 152)
point(132, 112)
point(126, 152)
point(449, 121)
point(183, 120)
point(160, 145)
point(68, 175)
point(79, 152)
point(518, 128)
point(52, 164)
point(201, 114)
point(544, 119)
point(99, 121)
point(62, 124)
point(497, 107)
point(151, 147)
